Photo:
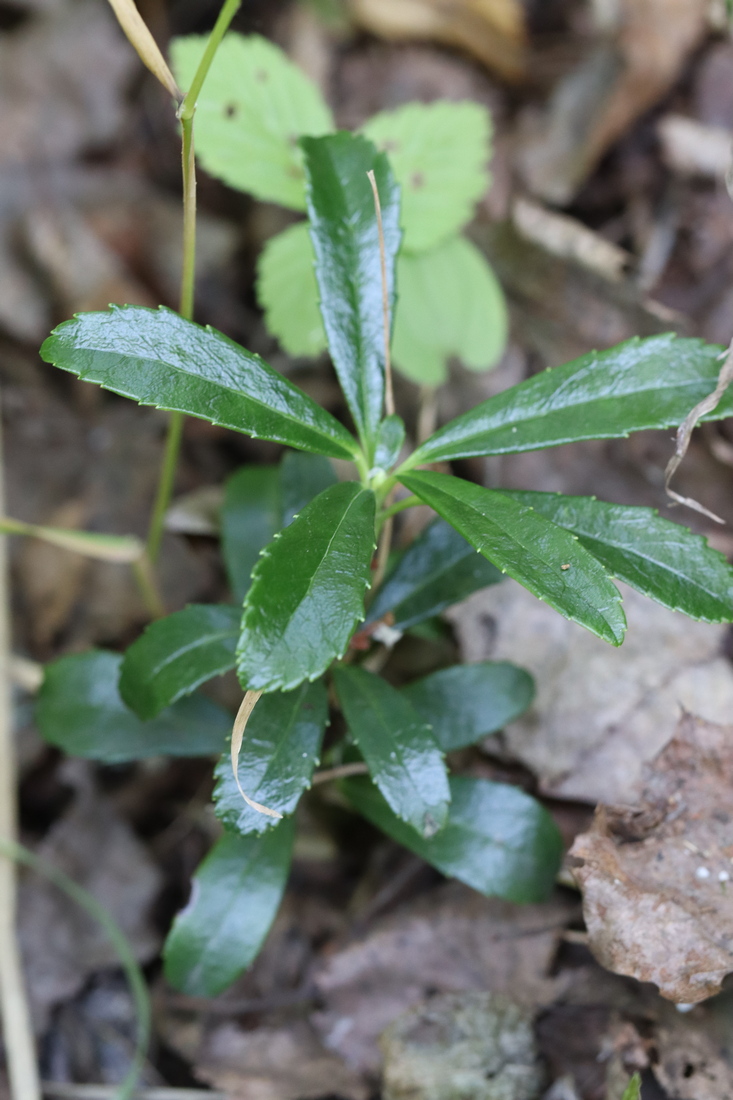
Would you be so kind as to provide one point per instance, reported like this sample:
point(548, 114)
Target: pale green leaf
point(288, 292)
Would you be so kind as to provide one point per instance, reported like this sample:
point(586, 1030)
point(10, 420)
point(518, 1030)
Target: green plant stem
point(227, 13)
point(20, 854)
point(398, 506)
point(20, 1049)
point(186, 115)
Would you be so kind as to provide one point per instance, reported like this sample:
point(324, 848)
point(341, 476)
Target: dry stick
point(686, 428)
point(240, 724)
point(20, 1052)
point(343, 771)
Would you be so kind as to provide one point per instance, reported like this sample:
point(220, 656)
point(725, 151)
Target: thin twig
point(67, 1090)
point(385, 545)
point(388, 391)
point(20, 1051)
point(686, 428)
point(343, 771)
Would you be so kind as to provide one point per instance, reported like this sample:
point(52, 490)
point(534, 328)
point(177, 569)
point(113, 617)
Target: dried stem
point(20, 1051)
point(343, 771)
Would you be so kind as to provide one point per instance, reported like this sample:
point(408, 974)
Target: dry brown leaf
point(62, 945)
point(453, 940)
point(656, 875)
point(52, 578)
point(690, 1064)
point(280, 1063)
point(491, 30)
point(598, 102)
point(599, 712)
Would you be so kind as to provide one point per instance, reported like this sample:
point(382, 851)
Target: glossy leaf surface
point(307, 592)
point(80, 710)
point(251, 516)
point(546, 559)
point(498, 840)
point(157, 358)
point(437, 570)
point(439, 154)
point(343, 229)
point(288, 292)
point(254, 105)
point(281, 747)
point(450, 304)
point(398, 745)
point(302, 478)
point(650, 383)
point(236, 894)
point(464, 703)
point(661, 559)
point(176, 654)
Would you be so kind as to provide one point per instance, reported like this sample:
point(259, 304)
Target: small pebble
point(702, 872)
point(723, 876)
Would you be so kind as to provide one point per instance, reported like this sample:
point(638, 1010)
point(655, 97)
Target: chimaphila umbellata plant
point(307, 558)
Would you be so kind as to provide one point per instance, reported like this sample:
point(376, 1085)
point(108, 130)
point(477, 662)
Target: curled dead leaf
point(657, 876)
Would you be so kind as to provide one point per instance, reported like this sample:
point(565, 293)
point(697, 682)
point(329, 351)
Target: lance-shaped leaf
point(437, 570)
point(464, 703)
point(344, 231)
point(176, 654)
point(251, 516)
point(546, 559)
point(498, 839)
point(80, 711)
point(398, 746)
point(236, 894)
point(281, 747)
point(302, 478)
point(307, 592)
point(651, 383)
point(253, 106)
point(157, 358)
point(439, 154)
point(661, 559)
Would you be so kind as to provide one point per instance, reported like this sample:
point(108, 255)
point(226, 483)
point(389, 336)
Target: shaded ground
point(89, 214)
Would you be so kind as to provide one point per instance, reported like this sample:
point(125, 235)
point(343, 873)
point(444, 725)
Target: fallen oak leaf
point(656, 877)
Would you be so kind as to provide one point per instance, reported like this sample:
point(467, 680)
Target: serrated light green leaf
point(288, 292)
point(546, 559)
point(253, 107)
point(250, 517)
point(157, 358)
point(80, 710)
point(661, 559)
point(344, 232)
point(307, 592)
point(437, 570)
point(398, 745)
point(450, 304)
point(176, 654)
point(498, 839)
point(464, 703)
point(650, 383)
point(439, 154)
point(236, 893)
point(279, 752)
point(302, 478)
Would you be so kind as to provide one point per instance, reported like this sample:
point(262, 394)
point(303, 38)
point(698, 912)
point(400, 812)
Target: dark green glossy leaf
point(236, 894)
point(546, 559)
point(498, 840)
point(661, 559)
point(176, 654)
point(399, 747)
point(251, 516)
point(307, 592)
point(650, 383)
point(467, 702)
point(343, 227)
point(390, 440)
point(281, 747)
point(157, 358)
point(302, 477)
point(437, 570)
point(80, 711)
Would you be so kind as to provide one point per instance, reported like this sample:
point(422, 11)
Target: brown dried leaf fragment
point(657, 877)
